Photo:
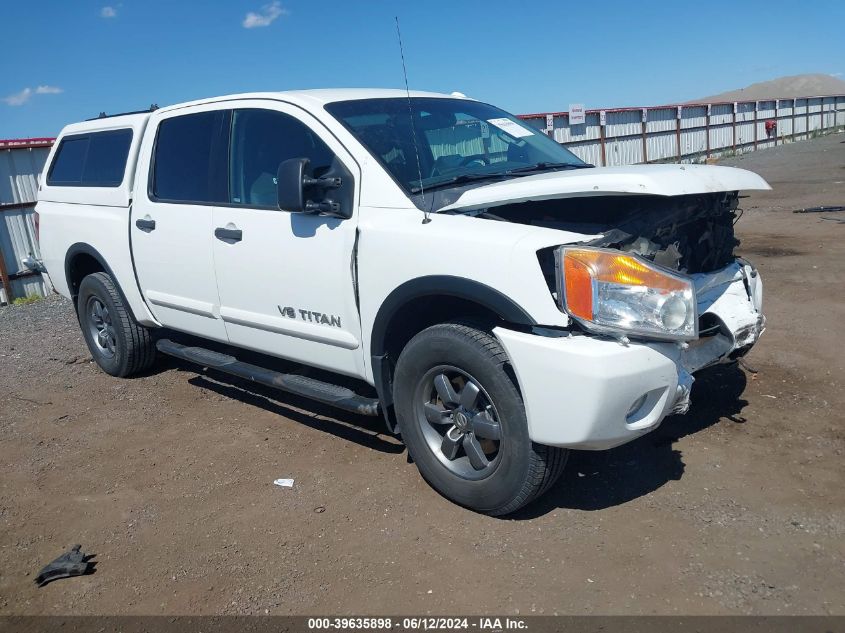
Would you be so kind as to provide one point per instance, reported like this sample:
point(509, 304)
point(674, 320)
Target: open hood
point(655, 180)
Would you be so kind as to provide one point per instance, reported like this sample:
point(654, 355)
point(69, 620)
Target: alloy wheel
point(459, 422)
point(101, 327)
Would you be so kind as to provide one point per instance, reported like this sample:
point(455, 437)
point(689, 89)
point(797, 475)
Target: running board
point(324, 392)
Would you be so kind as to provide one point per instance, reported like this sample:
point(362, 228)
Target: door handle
point(228, 235)
point(146, 225)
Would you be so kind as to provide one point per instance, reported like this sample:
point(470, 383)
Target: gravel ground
point(737, 507)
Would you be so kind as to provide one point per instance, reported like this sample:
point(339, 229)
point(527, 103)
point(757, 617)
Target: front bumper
point(595, 393)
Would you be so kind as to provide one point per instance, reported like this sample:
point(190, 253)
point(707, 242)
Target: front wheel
point(463, 420)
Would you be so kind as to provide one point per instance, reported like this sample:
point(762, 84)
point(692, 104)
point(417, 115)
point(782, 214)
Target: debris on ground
point(284, 483)
point(819, 209)
point(72, 563)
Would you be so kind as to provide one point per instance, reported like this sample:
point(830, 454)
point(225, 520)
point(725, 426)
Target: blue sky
point(65, 60)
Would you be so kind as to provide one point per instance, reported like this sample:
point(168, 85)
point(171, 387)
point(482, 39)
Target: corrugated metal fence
point(691, 132)
point(621, 136)
point(21, 162)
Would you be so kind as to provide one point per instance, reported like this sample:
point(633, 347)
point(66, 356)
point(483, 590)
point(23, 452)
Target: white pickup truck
point(429, 258)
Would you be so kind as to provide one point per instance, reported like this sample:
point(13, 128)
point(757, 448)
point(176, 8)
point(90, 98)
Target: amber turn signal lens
point(617, 268)
point(579, 287)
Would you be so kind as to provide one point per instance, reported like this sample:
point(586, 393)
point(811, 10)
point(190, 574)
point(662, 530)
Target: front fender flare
point(458, 287)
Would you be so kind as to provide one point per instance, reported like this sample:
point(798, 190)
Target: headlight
point(611, 292)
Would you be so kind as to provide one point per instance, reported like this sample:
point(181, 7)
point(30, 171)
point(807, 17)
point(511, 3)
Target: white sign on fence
point(577, 116)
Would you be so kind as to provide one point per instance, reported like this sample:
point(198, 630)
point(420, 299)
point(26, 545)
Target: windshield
point(458, 140)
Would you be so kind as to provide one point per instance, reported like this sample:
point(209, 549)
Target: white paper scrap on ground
point(511, 127)
point(284, 483)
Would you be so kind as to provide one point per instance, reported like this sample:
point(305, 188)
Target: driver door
point(285, 279)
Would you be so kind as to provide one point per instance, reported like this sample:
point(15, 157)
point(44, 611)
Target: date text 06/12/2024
point(492, 624)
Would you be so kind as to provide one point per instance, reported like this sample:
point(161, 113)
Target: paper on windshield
point(511, 127)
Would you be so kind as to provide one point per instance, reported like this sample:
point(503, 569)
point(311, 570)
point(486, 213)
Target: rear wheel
point(117, 343)
point(463, 421)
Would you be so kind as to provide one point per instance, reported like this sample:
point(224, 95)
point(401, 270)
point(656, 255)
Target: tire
point(444, 444)
point(117, 343)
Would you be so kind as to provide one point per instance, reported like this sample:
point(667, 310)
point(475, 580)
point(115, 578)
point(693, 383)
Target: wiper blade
point(545, 166)
point(457, 180)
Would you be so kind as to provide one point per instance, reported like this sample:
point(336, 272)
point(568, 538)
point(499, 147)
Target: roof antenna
point(426, 218)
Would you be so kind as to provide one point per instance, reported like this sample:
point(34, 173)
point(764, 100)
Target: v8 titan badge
point(309, 316)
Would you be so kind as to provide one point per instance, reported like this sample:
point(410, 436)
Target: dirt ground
point(737, 507)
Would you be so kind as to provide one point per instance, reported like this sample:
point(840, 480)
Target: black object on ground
point(819, 209)
point(71, 563)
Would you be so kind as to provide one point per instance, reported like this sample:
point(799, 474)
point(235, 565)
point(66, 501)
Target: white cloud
point(108, 12)
point(268, 14)
point(20, 98)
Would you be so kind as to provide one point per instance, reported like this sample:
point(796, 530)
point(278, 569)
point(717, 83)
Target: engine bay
point(690, 234)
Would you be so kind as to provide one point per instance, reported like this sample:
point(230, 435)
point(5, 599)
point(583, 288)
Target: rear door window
point(189, 164)
point(97, 159)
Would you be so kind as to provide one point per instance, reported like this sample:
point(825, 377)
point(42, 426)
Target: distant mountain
point(782, 88)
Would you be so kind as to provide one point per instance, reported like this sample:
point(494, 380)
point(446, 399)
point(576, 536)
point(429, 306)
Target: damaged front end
point(662, 250)
point(641, 261)
point(690, 234)
point(731, 320)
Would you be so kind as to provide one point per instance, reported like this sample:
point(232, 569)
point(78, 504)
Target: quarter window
point(188, 165)
point(97, 159)
point(261, 141)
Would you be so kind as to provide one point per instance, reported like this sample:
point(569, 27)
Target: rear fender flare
point(82, 248)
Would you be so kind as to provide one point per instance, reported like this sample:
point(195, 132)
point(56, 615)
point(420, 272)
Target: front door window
point(261, 141)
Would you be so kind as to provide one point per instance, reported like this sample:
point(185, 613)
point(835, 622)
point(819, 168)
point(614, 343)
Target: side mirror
point(295, 190)
point(289, 185)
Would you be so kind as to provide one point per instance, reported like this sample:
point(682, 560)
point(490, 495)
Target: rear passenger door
point(181, 175)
